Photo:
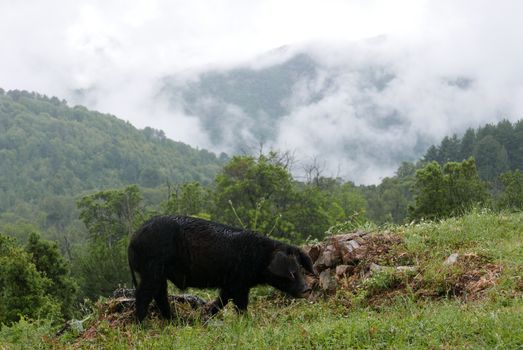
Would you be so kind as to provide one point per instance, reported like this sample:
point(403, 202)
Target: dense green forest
point(51, 154)
point(75, 184)
point(497, 148)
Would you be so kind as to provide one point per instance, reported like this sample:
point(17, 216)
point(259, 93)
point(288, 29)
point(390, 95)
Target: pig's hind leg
point(162, 301)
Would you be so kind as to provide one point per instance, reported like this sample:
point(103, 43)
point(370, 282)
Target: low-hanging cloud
point(429, 69)
point(387, 100)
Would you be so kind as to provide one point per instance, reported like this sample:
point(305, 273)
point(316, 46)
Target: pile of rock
point(353, 255)
point(346, 261)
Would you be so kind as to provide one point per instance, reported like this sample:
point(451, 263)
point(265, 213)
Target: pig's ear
point(306, 262)
point(281, 265)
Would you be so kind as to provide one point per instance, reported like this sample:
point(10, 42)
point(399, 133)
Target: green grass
point(497, 238)
point(348, 320)
point(447, 324)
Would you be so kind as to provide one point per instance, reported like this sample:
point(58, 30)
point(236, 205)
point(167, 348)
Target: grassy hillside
point(50, 150)
point(433, 307)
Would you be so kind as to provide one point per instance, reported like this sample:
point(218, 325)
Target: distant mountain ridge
point(287, 103)
point(253, 100)
point(48, 148)
point(360, 108)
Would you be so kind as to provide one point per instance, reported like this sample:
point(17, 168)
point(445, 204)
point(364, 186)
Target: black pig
point(192, 252)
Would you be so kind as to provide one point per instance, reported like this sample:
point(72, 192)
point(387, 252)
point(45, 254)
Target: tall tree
point(23, 289)
point(405, 170)
point(445, 191)
point(449, 149)
point(429, 193)
point(516, 157)
point(191, 198)
point(432, 155)
point(111, 217)
point(491, 158)
point(50, 263)
point(253, 192)
point(468, 144)
point(512, 195)
point(112, 214)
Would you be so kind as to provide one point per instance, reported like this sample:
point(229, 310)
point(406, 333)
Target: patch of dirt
point(119, 311)
point(474, 274)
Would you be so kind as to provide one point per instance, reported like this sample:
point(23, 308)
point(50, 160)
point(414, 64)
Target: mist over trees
point(75, 184)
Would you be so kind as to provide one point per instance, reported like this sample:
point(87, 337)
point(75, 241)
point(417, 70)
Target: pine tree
point(491, 158)
point(468, 144)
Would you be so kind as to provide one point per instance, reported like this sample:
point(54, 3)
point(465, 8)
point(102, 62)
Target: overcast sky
point(117, 50)
point(55, 44)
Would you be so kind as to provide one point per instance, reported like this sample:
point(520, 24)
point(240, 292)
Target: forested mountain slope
point(48, 148)
point(497, 148)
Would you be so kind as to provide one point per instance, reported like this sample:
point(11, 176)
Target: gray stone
point(342, 270)
point(327, 281)
point(407, 268)
point(345, 237)
point(354, 244)
point(452, 259)
point(330, 257)
point(375, 267)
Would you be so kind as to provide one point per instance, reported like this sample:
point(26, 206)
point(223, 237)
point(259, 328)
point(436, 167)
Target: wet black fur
point(192, 252)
